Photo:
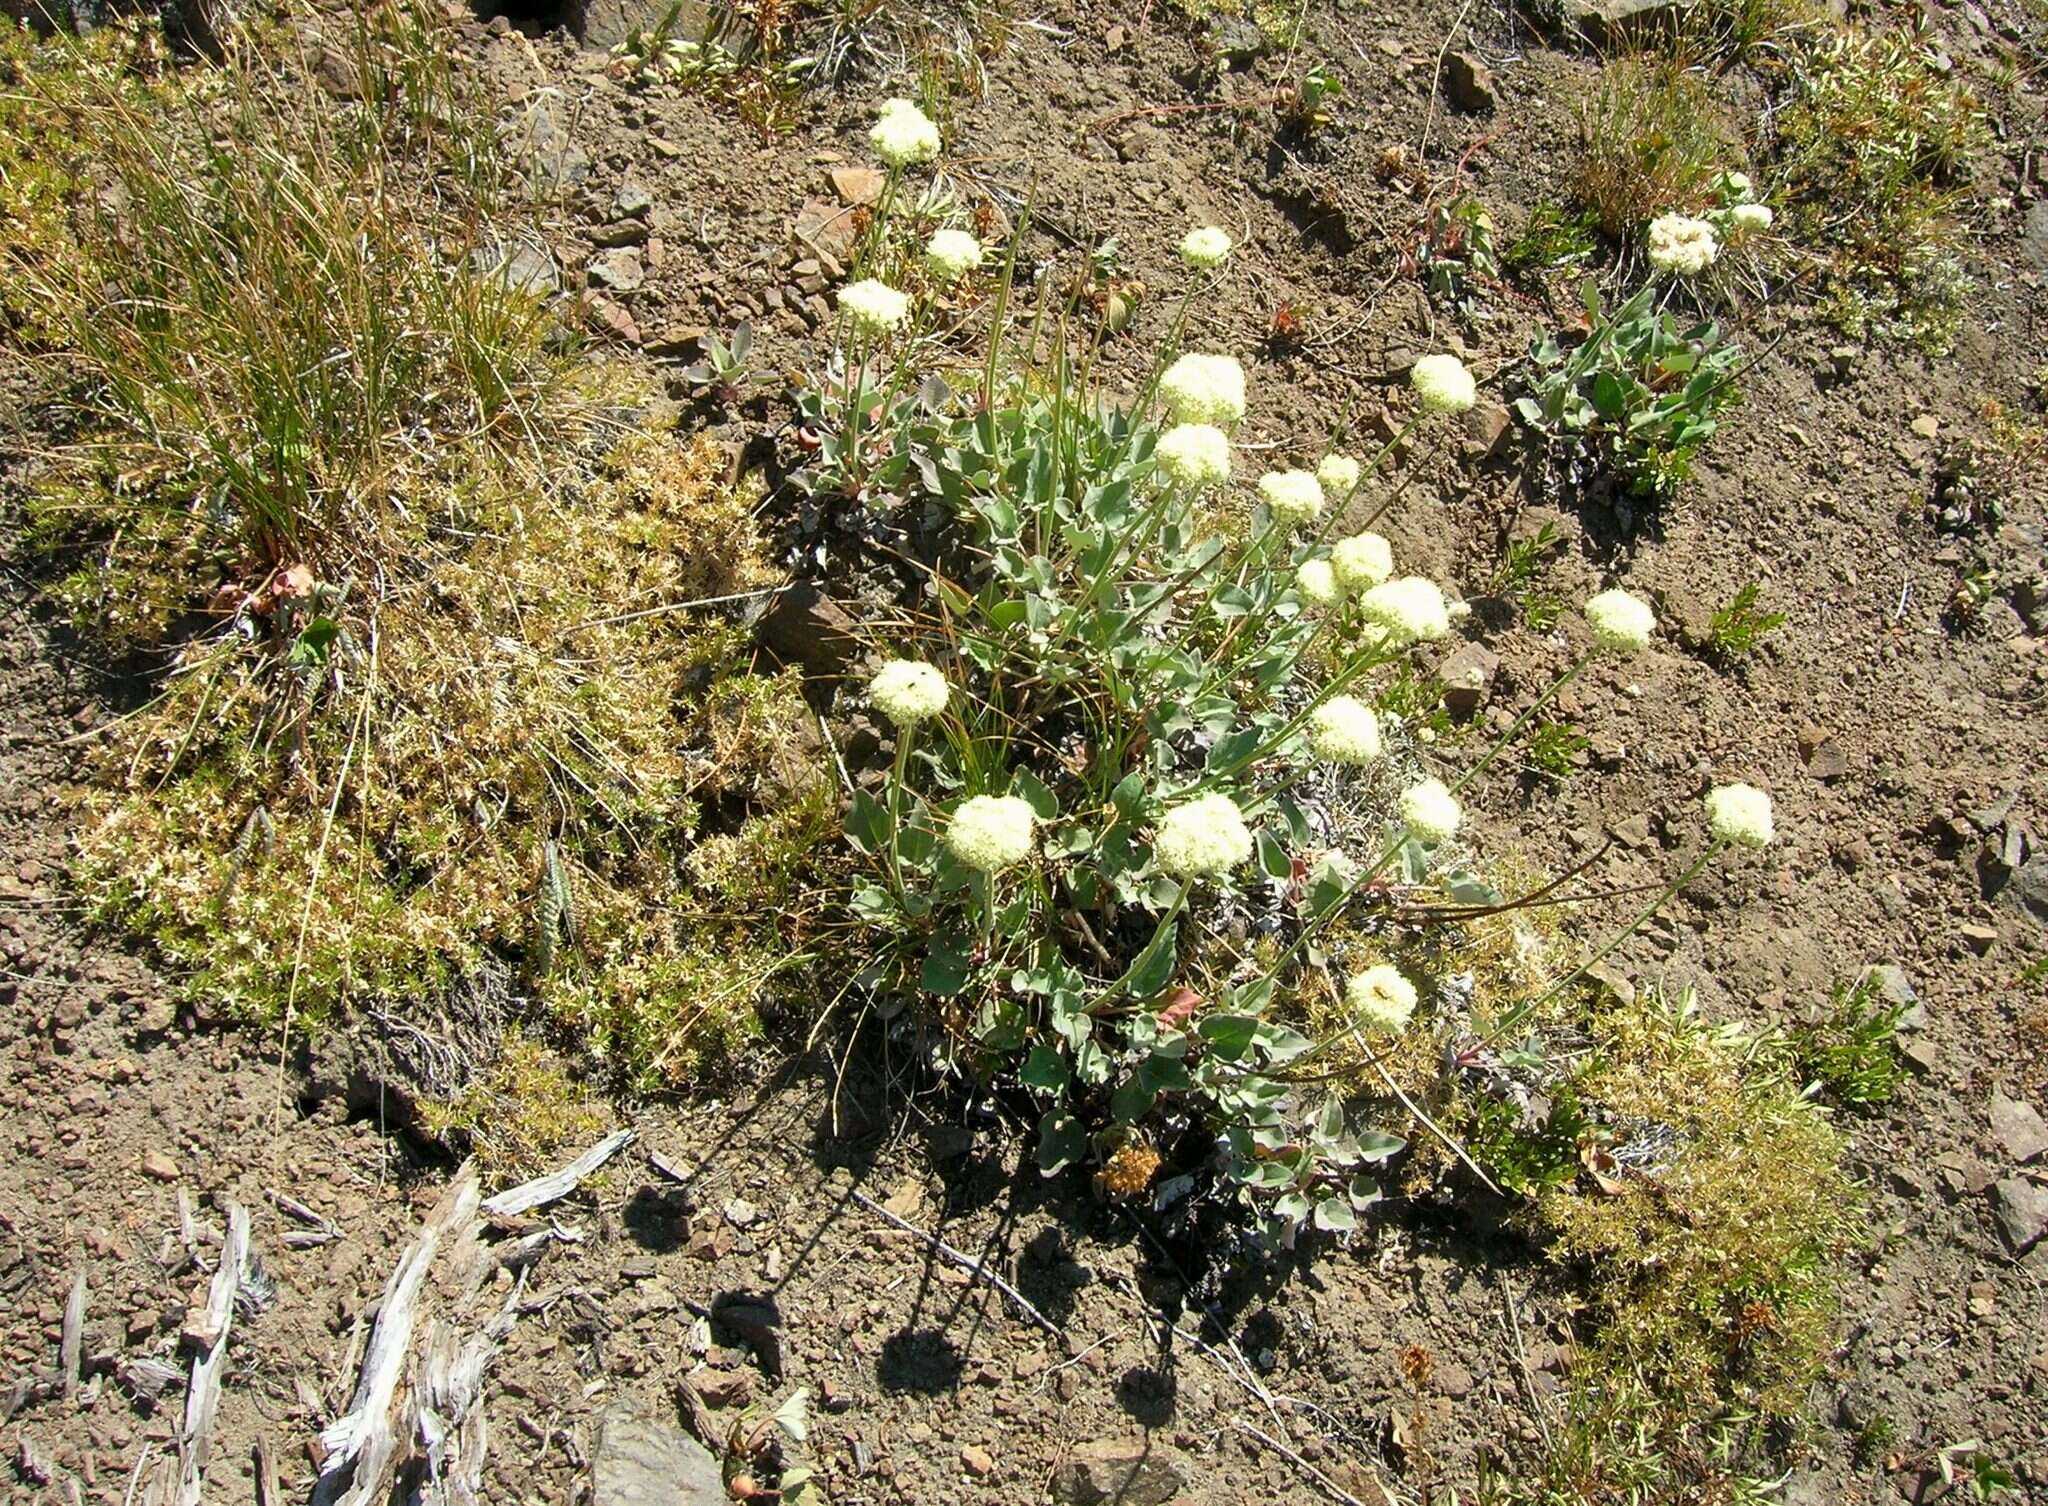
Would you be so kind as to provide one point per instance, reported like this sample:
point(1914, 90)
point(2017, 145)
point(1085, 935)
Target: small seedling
point(723, 368)
point(1311, 105)
point(1851, 1054)
point(1519, 567)
point(1554, 238)
point(1738, 626)
point(1554, 750)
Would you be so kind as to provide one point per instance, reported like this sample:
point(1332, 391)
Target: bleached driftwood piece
point(202, 1395)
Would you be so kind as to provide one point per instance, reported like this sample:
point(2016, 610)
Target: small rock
point(610, 318)
point(1979, 939)
point(621, 271)
point(1823, 754)
point(1634, 832)
point(159, 1167)
point(807, 628)
point(740, 1213)
point(620, 233)
point(642, 1462)
point(2017, 1127)
point(1486, 427)
point(1453, 1379)
point(523, 267)
point(1467, 677)
point(825, 228)
point(2022, 1211)
point(1890, 988)
point(1469, 83)
point(1127, 1472)
point(334, 70)
point(722, 1388)
point(1606, 22)
point(1926, 426)
point(857, 185)
point(1962, 1174)
point(675, 342)
point(978, 1461)
point(632, 202)
point(1918, 1054)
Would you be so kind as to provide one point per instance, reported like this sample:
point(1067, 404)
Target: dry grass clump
point(434, 698)
point(1652, 139)
point(521, 1116)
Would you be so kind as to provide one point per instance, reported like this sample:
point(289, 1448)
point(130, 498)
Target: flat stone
point(857, 185)
point(632, 202)
point(621, 271)
point(1469, 83)
point(977, 1461)
point(522, 267)
point(159, 1167)
point(1979, 939)
point(1486, 428)
point(825, 228)
point(1607, 22)
point(640, 1461)
point(1467, 677)
point(2022, 1212)
point(609, 318)
point(2017, 1127)
point(604, 24)
point(807, 628)
point(620, 233)
point(1123, 1471)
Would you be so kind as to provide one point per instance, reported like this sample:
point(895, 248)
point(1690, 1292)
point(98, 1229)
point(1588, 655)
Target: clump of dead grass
point(1652, 139)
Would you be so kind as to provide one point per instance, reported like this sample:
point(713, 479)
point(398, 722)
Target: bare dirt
point(1901, 744)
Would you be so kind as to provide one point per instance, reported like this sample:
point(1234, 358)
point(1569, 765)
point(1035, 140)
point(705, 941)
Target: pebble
point(159, 1167)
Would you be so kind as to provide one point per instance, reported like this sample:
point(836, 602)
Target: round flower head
point(1204, 838)
point(1199, 389)
point(1620, 622)
point(1206, 247)
point(1293, 496)
point(991, 832)
point(908, 691)
point(872, 307)
point(1443, 384)
point(1410, 609)
point(1362, 561)
point(1381, 999)
point(1751, 219)
point(1734, 185)
point(903, 135)
point(1430, 811)
point(1344, 730)
point(1192, 456)
point(952, 254)
point(1740, 813)
point(1317, 583)
point(1338, 474)
point(1682, 244)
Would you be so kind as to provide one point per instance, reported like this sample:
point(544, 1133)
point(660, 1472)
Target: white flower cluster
point(1204, 838)
point(1344, 730)
point(990, 832)
point(1621, 623)
point(1203, 389)
point(1679, 243)
point(1291, 496)
point(1205, 247)
point(1362, 561)
point(952, 254)
point(903, 135)
point(1740, 814)
point(1317, 582)
point(872, 307)
point(1381, 999)
point(1409, 610)
point(908, 691)
point(1443, 384)
point(1430, 811)
point(1193, 456)
point(1339, 475)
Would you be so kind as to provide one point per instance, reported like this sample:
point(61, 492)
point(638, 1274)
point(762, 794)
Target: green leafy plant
point(1738, 626)
point(1521, 564)
point(1638, 395)
point(1554, 238)
point(1851, 1052)
point(724, 367)
point(1555, 748)
point(1456, 249)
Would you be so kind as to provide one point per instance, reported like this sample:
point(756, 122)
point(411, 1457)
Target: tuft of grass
point(518, 1116)
point(1851, 1052)
point(1737, 626)
point(1652, 138)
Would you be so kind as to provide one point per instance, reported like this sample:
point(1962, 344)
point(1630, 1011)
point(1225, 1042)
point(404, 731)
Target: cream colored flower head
point(1291, 496)
point(1750, 219)
point(1430, 812)
point(903, 135)
point(1410, 609)
point(1381, 999)
point(1204, 248)
point(952, 254)
point(1203, 389)
point(1339, 475)
point(991, 832)
point(1344, 730)
point(1317, 583)
point(1362, 561)
point(908, 691)
point(1735, 186)
point(1621, 623)
point(1204, 838)
point(1679, 243)
point(1741, 814)
point(1193, 456)
point(873, 307)
point(1443, 384)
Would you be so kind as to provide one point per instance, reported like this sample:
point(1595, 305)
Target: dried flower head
point(1129, 1171)
point(873, 307)
point(1679, 243)
point(1381, 999)
point(1204, 838)
point(1430, 812)
point(990, 832)
point(903, 135)
point(1203, 389)
point(952, 254)
point(908, 691)
point(1206, 247)
point(1344, 730)
point(1192, 456)
point(1443, 384)
point(1292, 496)
point(1741, 814)
point(1410, 609)
point(1362, 561)
point(1621, 623)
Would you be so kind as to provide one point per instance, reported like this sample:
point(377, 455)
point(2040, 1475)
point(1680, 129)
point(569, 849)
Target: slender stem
point(1522, 1012)
point(1391, 445)
point(1159, 935)
point(903, 736)
point(1520, 722)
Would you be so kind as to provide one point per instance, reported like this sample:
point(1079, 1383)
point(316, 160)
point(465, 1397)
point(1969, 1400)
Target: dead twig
point(202, 1396)
point(1330, 1487)
point(70, 1345)
point(557, 1184)
point(968, 1263)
